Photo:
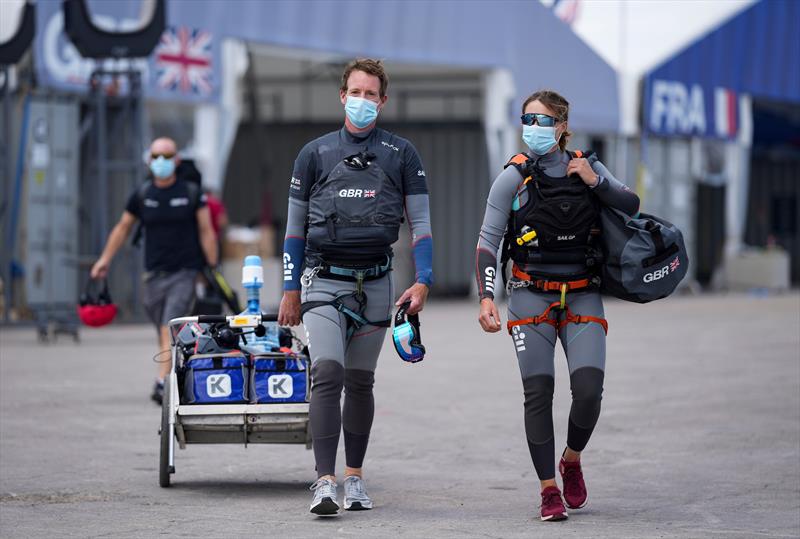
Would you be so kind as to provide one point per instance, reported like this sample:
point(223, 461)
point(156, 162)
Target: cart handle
point(220, 319)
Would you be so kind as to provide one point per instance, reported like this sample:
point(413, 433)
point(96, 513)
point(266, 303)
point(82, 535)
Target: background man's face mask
point(161, 167)
point(361, 112)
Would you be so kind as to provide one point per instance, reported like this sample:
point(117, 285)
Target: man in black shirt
point(179, 240)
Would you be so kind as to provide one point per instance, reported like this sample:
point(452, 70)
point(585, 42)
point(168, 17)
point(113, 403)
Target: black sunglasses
point(540, 119)
point(164, 155)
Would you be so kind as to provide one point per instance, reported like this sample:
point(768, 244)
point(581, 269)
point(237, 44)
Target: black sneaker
point(158, 392)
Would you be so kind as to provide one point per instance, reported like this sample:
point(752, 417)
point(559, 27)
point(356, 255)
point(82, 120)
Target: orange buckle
point(519, 274)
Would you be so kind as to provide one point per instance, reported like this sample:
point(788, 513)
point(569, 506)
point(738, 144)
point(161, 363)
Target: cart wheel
point(163, 462)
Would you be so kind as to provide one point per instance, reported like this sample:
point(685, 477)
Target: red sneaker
point(574, 487)
point(552, 504)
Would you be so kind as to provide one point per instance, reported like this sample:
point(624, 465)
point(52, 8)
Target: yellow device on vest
point(525, 238)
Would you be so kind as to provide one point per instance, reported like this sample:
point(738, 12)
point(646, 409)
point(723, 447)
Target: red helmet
point(96, 309)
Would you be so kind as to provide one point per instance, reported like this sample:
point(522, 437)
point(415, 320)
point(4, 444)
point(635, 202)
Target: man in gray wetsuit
point(552, 292)
point(349, 192)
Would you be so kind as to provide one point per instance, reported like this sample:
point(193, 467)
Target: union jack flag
point(674, 264)
point(369, 193)
point(183, 61)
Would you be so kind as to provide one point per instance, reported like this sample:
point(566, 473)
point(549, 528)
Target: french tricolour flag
point(726, 112)
point(566, 10)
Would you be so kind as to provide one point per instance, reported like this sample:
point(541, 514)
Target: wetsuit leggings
point(585, 348)
point(339, 363)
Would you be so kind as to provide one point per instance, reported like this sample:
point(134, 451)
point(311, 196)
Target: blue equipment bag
point(216, 379)
point(279, 378)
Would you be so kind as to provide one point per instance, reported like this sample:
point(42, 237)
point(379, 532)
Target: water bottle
point(253, 280)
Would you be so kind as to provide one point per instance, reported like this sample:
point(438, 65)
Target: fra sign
point(677, 109)
point(681, 109)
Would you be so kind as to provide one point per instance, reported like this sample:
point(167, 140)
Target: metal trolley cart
point(273, 423)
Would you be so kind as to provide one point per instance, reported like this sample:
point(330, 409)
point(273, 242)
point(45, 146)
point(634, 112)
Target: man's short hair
point(368, 66)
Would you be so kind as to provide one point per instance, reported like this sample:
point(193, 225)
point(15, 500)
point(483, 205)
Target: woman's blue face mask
point(539, 139)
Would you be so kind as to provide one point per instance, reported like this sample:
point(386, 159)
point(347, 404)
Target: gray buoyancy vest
point(357, 206)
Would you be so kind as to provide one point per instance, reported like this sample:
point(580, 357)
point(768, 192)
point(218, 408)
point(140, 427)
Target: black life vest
point(562, 212)
point(356, 209)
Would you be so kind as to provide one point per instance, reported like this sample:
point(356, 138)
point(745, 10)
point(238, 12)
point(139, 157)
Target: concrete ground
point(699, 437)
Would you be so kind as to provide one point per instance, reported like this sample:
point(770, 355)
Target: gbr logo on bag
point(663, 272)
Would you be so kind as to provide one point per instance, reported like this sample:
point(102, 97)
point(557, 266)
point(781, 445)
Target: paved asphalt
point(699, 437)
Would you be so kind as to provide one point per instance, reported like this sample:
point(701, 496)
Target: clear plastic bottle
point(253, 280)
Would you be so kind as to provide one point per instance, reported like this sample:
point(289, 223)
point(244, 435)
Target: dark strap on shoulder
point(141, 194)
point(589, 155)
point(195, 193)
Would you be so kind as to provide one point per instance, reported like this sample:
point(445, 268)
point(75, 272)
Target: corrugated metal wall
point(456, 163)
point(671, 195)
point(774, 204)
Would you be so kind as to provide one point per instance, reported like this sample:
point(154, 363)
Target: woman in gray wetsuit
point(546, 203)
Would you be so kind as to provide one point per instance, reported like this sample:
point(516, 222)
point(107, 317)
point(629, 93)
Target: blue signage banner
point(701, 90)
point(675, 108)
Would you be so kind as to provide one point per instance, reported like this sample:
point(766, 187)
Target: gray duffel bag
point(644, 257)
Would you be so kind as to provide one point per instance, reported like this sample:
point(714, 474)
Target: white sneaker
point(324, 502)
point(355, 494)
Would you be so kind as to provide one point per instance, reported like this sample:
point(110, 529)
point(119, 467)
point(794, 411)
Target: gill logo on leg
point(519, 338)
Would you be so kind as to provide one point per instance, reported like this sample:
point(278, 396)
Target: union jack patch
point(674, 264)
point(370, 193)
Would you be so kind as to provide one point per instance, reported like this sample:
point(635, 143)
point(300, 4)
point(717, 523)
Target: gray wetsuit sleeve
point(612, 192)
point(296, 218)
point(419, 221)
point(495, 219)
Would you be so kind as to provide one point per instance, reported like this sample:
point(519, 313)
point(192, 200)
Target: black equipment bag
point(644, 257)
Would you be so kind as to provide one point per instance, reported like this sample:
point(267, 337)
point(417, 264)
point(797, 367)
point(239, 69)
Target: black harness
point(354, 312)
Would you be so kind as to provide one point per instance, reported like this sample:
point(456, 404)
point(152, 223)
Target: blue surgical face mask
point(361, 112)
point(161, 167)
point(539, 139)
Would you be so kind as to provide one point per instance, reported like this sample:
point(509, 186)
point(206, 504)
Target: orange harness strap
point(571, 318)
point(543, 318)
point(550, 286)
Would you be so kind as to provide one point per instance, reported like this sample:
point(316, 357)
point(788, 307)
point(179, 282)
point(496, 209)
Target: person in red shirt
point(219, 215)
